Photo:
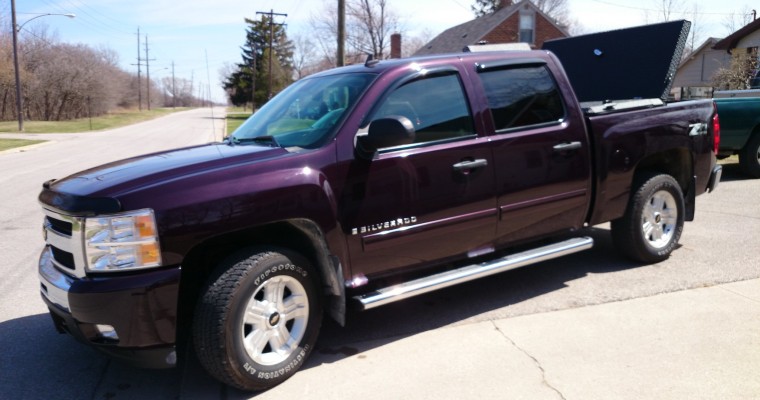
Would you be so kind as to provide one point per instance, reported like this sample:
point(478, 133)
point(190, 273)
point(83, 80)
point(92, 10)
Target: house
point(748, 37)
point(520, 22)
point(693, 78)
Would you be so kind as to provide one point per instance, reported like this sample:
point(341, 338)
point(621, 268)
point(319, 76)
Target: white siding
point(751, 40)
point(698, 71)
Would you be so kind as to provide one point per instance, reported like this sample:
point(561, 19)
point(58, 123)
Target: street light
point(16, 30)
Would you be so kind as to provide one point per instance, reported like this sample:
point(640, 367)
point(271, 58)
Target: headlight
point(122, 242)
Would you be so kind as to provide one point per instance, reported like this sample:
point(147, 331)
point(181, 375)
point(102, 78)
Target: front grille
point(64, 236)
point(59, 226)
point(64, 258)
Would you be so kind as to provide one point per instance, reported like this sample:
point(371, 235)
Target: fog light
point(107, 332)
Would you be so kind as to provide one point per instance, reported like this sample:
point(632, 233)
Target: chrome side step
point(471, 272)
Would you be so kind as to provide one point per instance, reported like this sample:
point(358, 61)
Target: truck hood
point(113, 179)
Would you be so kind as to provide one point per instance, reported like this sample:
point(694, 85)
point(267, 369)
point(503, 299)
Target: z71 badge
point(384, 225)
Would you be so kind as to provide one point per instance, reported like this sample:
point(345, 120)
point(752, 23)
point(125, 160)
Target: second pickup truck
point(740, 129)
point(361, 185)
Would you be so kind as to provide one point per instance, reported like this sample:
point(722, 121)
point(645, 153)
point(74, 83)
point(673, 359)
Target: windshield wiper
point(266, 139)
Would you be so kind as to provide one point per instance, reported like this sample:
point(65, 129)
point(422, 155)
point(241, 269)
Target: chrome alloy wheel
point(659, 219)
point(275, 320)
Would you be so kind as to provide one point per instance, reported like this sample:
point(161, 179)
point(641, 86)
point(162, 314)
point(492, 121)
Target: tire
point(749, 157)
point(258, 319)
point(653, 221)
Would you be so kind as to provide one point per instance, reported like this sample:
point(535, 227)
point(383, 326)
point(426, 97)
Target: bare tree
point(411, 44)
point(696, 34)
point(739, 73)
point(304, 56)
point(736, 20)
point(369, 25)
point(665, 10)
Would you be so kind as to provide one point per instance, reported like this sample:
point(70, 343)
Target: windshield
point(305, 114)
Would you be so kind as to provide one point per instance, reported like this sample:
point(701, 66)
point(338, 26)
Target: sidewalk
point(695, 344)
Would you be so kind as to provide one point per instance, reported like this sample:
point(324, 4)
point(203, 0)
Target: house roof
point(469, 33)
point(733, 39)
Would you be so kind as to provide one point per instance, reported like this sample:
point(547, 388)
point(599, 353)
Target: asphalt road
point(35, 362)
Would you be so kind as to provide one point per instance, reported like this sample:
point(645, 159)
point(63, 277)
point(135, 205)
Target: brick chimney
point(396, 45)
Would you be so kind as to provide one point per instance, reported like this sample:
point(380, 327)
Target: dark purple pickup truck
point(361, 186)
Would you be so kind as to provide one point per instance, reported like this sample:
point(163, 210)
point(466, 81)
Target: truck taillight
point(716, 129)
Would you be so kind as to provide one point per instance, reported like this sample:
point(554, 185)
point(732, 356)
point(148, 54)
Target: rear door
point(541, 152)
point(427, 201)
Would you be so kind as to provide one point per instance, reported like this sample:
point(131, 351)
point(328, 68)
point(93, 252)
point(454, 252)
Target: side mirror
point(393, 130)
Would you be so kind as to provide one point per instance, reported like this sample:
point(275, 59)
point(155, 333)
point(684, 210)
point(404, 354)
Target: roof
point(469, 33)
point(732, 40)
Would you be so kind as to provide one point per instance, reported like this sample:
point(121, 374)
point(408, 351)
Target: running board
point(467, 273)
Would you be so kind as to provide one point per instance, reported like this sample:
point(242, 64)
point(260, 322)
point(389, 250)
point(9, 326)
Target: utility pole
point(139, 64)
point(271, 14)
point(19, 100)
point(341, 56)
point(174, 92)
point(253, 79)
point(147, 69)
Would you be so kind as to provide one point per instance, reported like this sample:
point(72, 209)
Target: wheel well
point(675, 162)
point(678, 164)
point(301, 236)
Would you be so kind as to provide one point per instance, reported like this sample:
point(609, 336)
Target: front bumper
point(131, 317)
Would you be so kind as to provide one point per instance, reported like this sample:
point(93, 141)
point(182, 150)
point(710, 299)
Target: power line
point(655, 10)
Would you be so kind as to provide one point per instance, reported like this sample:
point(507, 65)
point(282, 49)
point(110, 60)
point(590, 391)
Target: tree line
point(63, 81)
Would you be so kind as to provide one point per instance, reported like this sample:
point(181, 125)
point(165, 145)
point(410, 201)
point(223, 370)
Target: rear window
point(522, 97)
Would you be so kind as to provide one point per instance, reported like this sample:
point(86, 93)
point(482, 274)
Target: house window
point(527, 26)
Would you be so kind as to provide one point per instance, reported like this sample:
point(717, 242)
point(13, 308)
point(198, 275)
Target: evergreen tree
point(255, 65)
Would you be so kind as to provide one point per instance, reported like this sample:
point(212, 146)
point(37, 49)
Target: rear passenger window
point(522, 96)
point(436, 106)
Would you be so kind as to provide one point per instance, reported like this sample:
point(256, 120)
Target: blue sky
point(190, 32)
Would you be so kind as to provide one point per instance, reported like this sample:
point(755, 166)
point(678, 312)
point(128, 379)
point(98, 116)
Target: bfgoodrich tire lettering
point(258, 319)
point(653, 221)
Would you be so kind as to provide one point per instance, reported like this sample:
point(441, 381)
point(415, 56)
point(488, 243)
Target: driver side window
point(436, 106)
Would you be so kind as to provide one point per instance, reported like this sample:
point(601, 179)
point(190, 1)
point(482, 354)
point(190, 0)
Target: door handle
point(470, 164)
point(567, 146)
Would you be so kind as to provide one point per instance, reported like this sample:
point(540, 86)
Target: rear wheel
point(749, 157)
point(258, 319)
point(653, 221)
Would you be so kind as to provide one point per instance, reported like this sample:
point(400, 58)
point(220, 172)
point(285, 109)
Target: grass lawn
point(235, 119)
point(112, 120)
point(6, 144)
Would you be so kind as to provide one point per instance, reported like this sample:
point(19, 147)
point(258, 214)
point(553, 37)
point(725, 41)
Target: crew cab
point(361, 186)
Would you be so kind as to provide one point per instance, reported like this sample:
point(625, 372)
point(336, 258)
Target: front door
point(427, 201)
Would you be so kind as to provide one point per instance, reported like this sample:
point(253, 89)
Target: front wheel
point(653, 221)
point(258, 319)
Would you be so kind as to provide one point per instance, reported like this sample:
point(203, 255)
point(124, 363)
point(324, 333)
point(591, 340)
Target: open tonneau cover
point(626, 64)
